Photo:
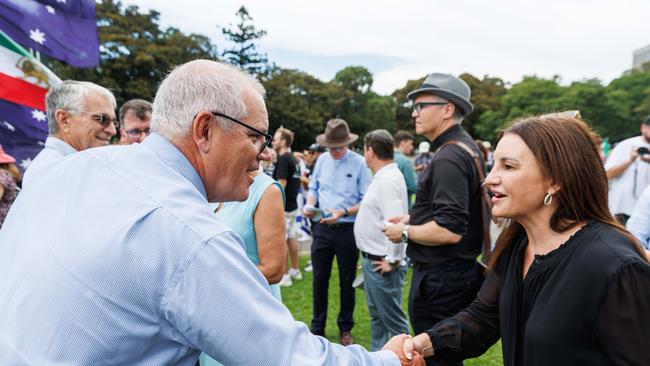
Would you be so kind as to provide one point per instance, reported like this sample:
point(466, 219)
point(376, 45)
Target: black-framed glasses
point(103, 119)
point(267, 138)
point(418, 107)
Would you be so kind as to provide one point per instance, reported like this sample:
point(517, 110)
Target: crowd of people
point(163, 235)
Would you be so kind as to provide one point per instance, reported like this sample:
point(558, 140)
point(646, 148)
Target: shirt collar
point(450, 134)
point(59, 145)
point(172, 157)
point(386, 168)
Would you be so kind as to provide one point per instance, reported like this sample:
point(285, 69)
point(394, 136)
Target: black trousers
point(330, 241)
point(440, 291)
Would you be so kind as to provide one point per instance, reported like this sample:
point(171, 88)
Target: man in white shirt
point(628, 171)
point(80, 115)
point(382, 261)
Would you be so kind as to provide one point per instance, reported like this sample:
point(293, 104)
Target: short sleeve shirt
point(287, 168)
point(626, 189)
point(449, 194)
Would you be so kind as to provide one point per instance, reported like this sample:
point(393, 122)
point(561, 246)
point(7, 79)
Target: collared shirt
point(625, 190)
point(449, 194)
point(339, 184)
point(55, 149)
point(115, 257)
point(385, 198)
point(639, 222)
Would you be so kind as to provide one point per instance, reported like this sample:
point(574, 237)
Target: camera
point(643, 150)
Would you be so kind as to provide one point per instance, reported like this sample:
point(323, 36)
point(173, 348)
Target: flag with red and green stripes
point(24, 81)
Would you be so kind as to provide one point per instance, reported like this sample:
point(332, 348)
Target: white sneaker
point(309, 268)
point(295, 274)
point(285, 281)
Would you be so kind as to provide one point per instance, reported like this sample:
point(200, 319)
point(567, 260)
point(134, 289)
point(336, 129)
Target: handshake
point(410, 350)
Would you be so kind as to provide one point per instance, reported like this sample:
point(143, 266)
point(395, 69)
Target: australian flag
point(62, 29)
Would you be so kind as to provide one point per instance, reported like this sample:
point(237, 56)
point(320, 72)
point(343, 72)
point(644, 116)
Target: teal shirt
point(405, 166)
point(239, 215)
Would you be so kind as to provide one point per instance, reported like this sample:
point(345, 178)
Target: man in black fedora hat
point(445, 229)
point(337, 185)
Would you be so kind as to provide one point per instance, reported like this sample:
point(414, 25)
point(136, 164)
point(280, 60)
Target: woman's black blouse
point(585, 303)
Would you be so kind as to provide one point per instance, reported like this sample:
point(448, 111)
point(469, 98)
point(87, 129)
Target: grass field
point(299, 301)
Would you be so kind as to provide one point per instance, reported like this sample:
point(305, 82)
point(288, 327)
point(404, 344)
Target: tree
point(404, 109)
point(633, 91)
point(299, 102)
point(243, 35)
point(135, 52)
point(486, 96)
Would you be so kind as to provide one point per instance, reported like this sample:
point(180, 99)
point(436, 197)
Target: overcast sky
point(406, 39)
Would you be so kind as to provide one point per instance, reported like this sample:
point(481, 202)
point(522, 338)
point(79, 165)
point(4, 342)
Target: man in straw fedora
point(337, 185)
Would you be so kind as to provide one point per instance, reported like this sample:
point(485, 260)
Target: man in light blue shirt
point(337, 185)
point(80, 115)
point(115, 257)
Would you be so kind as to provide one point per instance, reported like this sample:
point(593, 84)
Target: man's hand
point(394, 232)
point(336, 215)
point(397, 344)
point(420, 344)
point(382, 266)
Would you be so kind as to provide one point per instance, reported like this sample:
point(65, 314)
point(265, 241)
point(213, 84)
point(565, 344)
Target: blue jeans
point(384, 298)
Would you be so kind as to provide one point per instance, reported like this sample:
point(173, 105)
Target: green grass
point(298, 299)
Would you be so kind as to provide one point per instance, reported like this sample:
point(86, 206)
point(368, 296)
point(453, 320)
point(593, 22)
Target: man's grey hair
point(458, 115)
point(197, 86)
point(71, 94)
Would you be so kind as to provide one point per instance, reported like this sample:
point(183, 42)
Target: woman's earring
point(548, 199)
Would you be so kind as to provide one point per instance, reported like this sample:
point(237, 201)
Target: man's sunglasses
point(103, 119)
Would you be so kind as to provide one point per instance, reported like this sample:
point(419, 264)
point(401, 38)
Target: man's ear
point(62, 120)
point(450, 108)
point(202, 129)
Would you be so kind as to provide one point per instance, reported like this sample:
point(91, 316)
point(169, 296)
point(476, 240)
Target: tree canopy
point(136, 53)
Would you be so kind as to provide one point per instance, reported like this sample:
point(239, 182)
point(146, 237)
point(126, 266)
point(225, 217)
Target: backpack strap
point(486, 202)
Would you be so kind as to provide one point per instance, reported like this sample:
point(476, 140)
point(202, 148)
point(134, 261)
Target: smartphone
point(643, 150)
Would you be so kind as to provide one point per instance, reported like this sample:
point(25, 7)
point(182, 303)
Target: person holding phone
point(628, 171)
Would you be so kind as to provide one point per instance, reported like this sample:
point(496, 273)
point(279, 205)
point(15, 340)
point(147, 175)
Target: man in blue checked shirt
point(115, 258)
point(337, 185)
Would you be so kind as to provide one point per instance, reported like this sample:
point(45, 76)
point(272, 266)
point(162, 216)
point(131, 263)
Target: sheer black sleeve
point(624, 319)
point(473, 330)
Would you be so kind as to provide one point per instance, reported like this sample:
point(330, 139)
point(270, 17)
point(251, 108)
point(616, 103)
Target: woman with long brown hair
point(9, 178)
point(567, 285)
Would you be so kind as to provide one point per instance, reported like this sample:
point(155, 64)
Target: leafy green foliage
point(243, 35)
point(136, 53)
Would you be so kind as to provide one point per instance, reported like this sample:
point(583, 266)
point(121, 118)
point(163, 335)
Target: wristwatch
point(405, 233)
point(345, 212)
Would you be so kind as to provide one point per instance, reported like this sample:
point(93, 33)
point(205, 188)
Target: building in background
point(641, 56)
